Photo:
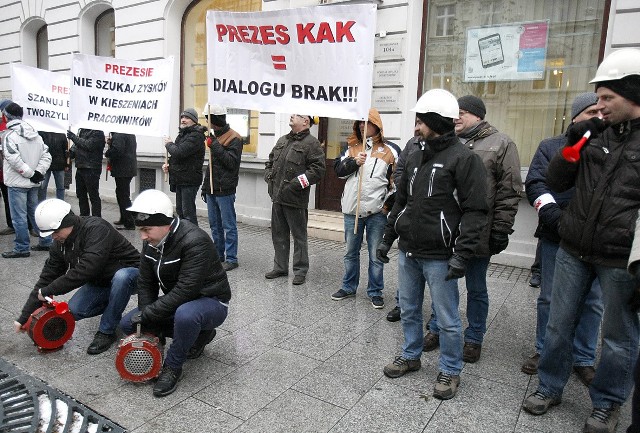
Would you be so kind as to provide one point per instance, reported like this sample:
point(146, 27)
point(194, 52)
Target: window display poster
point(506, 52)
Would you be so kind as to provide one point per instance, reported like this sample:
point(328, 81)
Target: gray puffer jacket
point(24, 154)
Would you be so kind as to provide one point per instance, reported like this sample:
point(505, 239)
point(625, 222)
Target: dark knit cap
point(219, 120)
point(191, 114)
point(13, 111)
point(582, 102)
point(438, 124)
point(628, 87)
point(473, 105)
point(68, 221)
point(151, 220)
point(4, 103)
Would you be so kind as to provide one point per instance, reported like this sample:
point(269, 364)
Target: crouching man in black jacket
point(88, 253)
point(180, 259)
point(439, 213)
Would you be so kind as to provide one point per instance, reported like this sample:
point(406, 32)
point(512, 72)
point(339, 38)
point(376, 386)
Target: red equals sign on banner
point(279, 63)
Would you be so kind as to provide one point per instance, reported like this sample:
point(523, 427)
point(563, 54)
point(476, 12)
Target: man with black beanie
point(504, 186)
point(596, 232)
point(26, 159)
point(439, 213)
point(220, 183)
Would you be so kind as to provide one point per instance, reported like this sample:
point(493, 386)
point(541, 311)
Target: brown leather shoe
point(275, 274)
point(585, 374)
point(7, 231)
point(530, 366)
point(431, 342)
point(471, 352)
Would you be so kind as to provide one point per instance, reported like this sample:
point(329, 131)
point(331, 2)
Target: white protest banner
point(128, 96)
point(43, 95)
point(316, 60)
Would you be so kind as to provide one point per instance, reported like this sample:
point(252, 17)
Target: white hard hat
point(49, 215)
point(214, 109)
point(438, 101)
point(152, 201)
point(618, 64)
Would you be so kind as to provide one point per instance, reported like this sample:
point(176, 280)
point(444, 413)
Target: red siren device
point(51, 325)
point(139, 357)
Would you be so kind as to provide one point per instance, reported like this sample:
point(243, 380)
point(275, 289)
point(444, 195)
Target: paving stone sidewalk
point(289, 359)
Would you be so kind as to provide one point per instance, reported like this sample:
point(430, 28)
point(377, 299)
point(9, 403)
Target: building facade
point(465, 46)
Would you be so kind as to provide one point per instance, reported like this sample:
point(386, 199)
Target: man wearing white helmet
point(220, 183)
point(90, 255)
point(439, 213)
point(596, 231)
point(177, 259)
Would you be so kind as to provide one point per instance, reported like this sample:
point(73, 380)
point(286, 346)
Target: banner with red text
point(316, 60)
point(128, 96)
point(43, 96)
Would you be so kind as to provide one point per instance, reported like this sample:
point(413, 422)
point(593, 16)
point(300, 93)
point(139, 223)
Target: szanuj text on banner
point(316, 60)
point(43, 96)
point(115, 95)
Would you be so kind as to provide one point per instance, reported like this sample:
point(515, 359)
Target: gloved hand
point(136, 318)
point(550, 215)
point(456, 268)
point(382, 251)
point(37, 177)
point(577, 130)
point(498, 242)
point(71, 136)
point(208, 141)
point(203, 195)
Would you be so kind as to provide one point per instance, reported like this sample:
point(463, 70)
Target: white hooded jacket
point(24, 154)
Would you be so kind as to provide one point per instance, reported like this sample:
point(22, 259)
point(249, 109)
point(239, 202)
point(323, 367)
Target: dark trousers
point(536, 266)
point(87, 189)
point(5, 198)
point(635, 403)
point(287, 221)
point(123, 196)
point(202, 314)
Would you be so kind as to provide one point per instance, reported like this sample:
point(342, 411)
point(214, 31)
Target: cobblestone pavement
point(289, 359)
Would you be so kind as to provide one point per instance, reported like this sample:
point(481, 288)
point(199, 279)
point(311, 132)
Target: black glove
point(136, 318)
point(71, 136)
point(37, 177)
point(550, 214)
point(498, 242)
point(457, 267)
point(382, 251)
point(577, 130)
point(203, 195)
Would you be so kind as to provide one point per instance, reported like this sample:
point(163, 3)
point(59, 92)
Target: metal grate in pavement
point(29, 405)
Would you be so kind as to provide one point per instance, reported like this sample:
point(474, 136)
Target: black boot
point(203, 339)
point(101, 343)
point(167, 381)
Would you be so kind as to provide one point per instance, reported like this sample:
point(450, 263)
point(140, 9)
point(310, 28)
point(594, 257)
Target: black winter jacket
point(87, 149)
point(93, 253)
point(185, 267)
point(226, 153)
point(294, 154)
point(122, 155)
point(186, 157)
point(536, 187)
point(598, 224)
point(57, 144)
point(427, 217)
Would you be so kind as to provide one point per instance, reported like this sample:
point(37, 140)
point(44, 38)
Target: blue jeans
point(58, 177)
point(413, 273)
point(374, 226)
point(22, 204)
point(477, 301)
point(186, 202)
point(190, 318)
point(91, 300)
point(224, 229)
point(620, 330)
point(586, 339)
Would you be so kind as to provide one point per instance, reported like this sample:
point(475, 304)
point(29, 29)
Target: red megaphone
point(572, 153)
point(60, 307)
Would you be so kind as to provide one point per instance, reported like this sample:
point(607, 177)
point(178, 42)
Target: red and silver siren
point(139, 357)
